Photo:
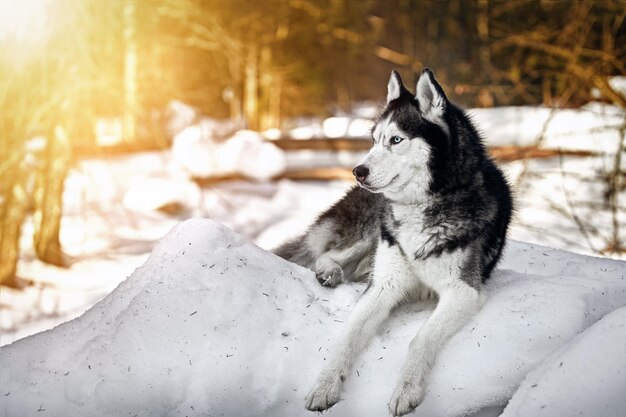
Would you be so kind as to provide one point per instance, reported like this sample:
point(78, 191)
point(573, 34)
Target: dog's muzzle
point(360, 172)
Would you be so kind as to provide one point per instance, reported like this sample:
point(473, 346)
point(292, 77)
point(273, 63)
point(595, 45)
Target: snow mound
point(246, 152)
point(578, 379)
point(344, 126)
point(179, 117)
point(335, 127)
point(213, 325)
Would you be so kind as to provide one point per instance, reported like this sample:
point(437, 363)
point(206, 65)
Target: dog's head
point(410, 137)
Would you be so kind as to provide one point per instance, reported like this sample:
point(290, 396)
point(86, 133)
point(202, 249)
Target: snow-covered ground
point(563, 203)
point(212, 325)
point(111, 224)
point(594, 127)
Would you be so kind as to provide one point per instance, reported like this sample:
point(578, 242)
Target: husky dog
point(429, 218)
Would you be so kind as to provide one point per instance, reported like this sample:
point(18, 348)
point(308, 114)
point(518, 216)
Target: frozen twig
point(572, 211)
point(537, 142)
point(614, 189)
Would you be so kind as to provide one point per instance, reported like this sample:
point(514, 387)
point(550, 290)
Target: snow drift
point(212, 325)
point(197, 151)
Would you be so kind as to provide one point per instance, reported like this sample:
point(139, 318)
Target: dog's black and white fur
point(429, 218)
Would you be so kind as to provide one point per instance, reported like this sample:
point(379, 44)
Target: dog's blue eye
point(396, 139)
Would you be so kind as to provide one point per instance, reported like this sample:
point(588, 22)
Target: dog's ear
point(430, 97)
point(394, 87)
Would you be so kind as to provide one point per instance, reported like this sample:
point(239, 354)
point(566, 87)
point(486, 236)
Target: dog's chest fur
point(422, 242)
point(406, 226)
point(419, 235)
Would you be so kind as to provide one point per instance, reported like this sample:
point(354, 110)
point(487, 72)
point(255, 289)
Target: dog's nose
point(360, 172)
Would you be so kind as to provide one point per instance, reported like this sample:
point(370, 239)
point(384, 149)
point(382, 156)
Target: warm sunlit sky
point(23, 20)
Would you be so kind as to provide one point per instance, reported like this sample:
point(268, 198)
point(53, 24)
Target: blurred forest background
point(68, 65)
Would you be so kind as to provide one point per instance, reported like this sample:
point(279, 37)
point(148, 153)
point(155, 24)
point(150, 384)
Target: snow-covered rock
point(335, 127)
point(253, 156)
point(214, 325)
point(344, 126)
point(246, 152)
point(179, 117)
point(360, 128)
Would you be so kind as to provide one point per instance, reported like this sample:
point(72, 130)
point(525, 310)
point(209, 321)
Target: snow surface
point(551, 193)
point(197, 151)
point(113, 207)
point(594, 127)
point(599, 383)
point(213, 325)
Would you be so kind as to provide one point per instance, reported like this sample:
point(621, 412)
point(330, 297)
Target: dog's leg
point(387, 289)
point(458, 302)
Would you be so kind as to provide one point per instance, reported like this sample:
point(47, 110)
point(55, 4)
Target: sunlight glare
point(23, 21)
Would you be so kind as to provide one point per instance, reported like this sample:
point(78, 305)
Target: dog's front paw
point(330, 277)
point(408, 395)
point(325, 394)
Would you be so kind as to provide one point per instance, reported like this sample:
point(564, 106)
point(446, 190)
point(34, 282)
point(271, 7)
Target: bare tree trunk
point(274, 102)
point(482, 27)
point(269, 109)
point(130, 72)
point(251, 91)
point(13, 210)
point(48, 198)
point(235, 94)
